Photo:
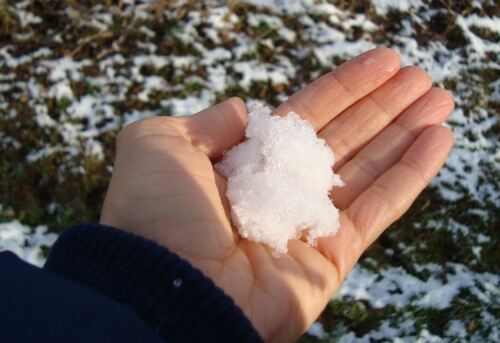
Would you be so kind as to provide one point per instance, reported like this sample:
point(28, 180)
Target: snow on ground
point(396, 287)
point(69, 82)
point(25, 242)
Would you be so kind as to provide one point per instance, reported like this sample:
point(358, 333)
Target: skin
point(383, 123)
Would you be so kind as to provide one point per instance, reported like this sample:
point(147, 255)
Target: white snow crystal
point(279, 181)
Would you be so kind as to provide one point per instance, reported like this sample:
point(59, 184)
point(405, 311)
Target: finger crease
point(388, 114)
point(346, 89)
point(412, 166)
point(367, 166)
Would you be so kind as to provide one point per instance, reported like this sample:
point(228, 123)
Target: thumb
point(216, 128)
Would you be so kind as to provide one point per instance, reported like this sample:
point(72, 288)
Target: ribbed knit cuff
point(172, 297)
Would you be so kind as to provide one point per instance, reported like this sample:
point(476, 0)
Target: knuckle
point(131, 130)
point(446, 97)
point(124, 133)
point(237, 102)
point(418, 73)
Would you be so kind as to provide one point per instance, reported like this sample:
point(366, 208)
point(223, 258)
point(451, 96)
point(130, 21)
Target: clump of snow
point(279, 181)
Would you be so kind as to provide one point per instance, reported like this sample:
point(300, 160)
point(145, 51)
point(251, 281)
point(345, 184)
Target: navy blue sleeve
point(40, 306)
point(173, 298)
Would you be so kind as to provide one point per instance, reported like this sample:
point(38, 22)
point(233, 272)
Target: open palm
point(384, 126)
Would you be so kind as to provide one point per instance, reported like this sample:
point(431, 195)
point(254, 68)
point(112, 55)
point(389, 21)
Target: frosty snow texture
point(279, 181)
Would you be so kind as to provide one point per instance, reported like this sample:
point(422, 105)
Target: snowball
point(278, 181)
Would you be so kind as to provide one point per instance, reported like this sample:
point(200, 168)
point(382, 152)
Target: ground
point(73, 72)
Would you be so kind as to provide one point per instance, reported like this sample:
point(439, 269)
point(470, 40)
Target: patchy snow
point(61, 90)
point(316, 330)
point(213, 56)
point(189, 104)
point(395, 286)
point(385, 6)
point(27, 18)
point(257, 72)
point(151, 83)
point(12, 61)
point(63, 69)
point(74, 99)
point(403, 332)
point(25, 242)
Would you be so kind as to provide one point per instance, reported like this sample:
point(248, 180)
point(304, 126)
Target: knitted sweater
point(98, 281)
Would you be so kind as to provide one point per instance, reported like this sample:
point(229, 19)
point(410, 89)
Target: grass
point(9, 22)
point(64, 188)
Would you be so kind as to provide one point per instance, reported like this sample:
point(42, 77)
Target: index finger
point(326, 97)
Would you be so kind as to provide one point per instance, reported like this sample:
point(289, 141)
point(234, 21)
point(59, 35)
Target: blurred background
point(73, 72)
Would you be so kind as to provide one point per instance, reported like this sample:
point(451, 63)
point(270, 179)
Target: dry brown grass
point(9, 22)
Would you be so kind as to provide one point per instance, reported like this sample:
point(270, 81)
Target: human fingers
point(386, 199)
point(329, 95)
point(392, 193)
point(388, 147)
point(357, 125)
point(215, 129)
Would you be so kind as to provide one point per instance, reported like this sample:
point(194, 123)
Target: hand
point(383, 124)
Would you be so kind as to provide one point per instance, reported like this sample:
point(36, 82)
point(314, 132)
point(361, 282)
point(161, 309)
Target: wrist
point(171, 296)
